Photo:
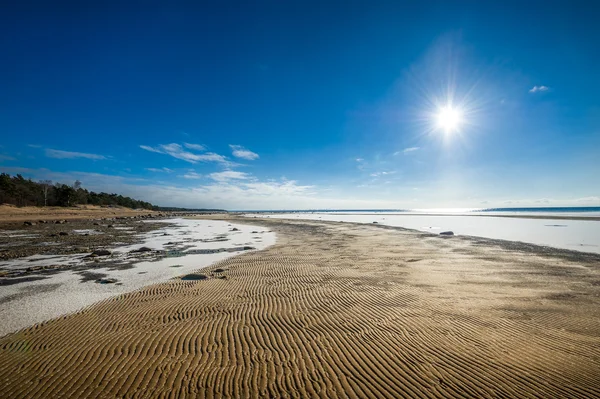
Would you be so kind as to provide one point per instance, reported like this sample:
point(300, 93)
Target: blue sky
point(295, 105)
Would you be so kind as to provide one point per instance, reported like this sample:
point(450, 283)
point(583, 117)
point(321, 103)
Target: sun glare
point(449, 119)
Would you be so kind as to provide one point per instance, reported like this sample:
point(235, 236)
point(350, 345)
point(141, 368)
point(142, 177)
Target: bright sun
point(449, 119)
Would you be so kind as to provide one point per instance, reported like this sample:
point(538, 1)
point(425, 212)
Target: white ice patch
point(31, 302)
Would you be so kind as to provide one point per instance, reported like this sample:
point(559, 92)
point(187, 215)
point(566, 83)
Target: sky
point(306, 104)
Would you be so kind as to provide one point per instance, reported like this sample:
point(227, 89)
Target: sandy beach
point(333, 310)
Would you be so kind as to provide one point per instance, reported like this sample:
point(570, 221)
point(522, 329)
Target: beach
point(333, 310)
point(571, 231)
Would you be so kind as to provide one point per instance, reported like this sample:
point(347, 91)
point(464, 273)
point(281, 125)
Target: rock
point(29, 223)
point(101, 252)
point(63, 233)
point(193, 277)
point(110, 226)
point(218, 270)
point(142, 249)
point(106, 280)
point(248, 248)
point(255, 232)
point(447, 233)
point(42, 221)
point(96, 224)
point(235, 229)
point(375, 223)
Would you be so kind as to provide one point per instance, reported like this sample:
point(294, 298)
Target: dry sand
point(10, 213)
point(332, 310)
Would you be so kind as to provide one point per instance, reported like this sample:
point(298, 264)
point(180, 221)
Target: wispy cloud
point(240, 152)
point(588, 199)
point(536, 89)
point(167, 170)
point(148, 148)
point(34, 146)
point(58, 154)
point(177, 151)
point(6, 158)
point(192, 175)
point(197, 147)
point(407, 150)
point(359, 159)
point(229, 175)
point(377, 174)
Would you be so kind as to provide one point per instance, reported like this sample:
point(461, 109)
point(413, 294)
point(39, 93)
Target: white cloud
point(192, 175)
point(588, 199)
point(167, 170)
point(240, 152)
point(377, 174)
point(148, 148)
point(407, 150)
point(536, 89)
point(229, 175)
point(197, 147)
point(177, 151)
point(50, 153)
point(359, 159)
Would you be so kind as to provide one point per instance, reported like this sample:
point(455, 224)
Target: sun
point(449, 119)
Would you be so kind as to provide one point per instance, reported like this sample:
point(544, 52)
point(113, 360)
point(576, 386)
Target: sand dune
point(331, 310)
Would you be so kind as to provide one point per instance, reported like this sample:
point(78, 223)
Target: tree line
point(17, 190)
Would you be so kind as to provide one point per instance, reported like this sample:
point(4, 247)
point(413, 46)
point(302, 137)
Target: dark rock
point(29, 223)
point(63, 233)
point(106, 280)
point(255, 232)
point(248, 248)
point(142, 249)
point(235, 229)
point(42, 221)
point(96, 224)
point(375, 223)
point(101, 252)
point(218, 270)
point(447, 233)
point(110, 226)
point(194, 277)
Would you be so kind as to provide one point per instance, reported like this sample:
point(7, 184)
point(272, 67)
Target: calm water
point(576, 209)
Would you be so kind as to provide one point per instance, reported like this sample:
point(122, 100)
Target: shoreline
point(332, 310)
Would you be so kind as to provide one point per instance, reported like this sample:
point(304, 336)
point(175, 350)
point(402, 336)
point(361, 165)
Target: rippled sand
point(332, 310)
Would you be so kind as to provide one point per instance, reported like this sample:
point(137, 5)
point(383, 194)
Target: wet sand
point(333, 310)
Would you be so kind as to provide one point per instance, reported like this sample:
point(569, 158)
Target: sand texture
point(10, 213)
point(331, 310)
